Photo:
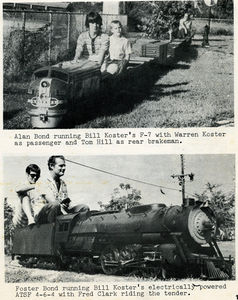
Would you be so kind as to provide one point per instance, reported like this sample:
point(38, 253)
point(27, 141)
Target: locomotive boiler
point(175, 241)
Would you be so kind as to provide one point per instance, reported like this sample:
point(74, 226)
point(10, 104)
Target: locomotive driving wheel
point(110, 260)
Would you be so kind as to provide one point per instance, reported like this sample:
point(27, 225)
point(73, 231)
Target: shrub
point(8, 226)
point(155, 18)
point(23, 54)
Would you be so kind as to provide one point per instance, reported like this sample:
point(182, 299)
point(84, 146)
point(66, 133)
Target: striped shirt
point(90, 48)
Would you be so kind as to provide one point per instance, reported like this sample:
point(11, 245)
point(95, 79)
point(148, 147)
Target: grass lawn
point(196, 92)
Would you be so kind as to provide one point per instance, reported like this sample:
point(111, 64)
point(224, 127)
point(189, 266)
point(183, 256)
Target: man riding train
point(43, 203)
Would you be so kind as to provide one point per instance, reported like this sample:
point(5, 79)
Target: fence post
point(50, 37)
point(68, 29)
point(23, 36)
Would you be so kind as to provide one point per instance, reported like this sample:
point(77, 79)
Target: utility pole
point(207, 28)
point(181, 179)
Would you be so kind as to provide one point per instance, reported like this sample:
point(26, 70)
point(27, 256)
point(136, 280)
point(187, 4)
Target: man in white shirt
point(55, 193)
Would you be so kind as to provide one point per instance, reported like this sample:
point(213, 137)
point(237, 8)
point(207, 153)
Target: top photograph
point(145, 64)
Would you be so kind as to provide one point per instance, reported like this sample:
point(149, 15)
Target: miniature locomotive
point(175, 241)
point(56, 93)
point(56, 90)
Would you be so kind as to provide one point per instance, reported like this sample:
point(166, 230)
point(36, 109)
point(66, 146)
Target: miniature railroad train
point(175, 241)
point(57, 92)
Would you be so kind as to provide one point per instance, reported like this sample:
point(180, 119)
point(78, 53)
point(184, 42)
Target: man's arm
point(79, 47)
point(24, 188)
point(104, 48)
point(26, 206)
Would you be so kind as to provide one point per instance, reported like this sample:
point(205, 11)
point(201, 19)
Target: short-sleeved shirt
point(119, 48)
point(91, 48)
point(36, 201)
point(53, 192)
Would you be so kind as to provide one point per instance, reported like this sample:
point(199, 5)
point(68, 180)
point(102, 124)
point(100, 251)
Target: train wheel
point(110, 260)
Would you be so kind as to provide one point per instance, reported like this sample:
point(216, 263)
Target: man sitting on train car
point(55, 193)
point(185, 26)
point(27, 193)
point(93, 44)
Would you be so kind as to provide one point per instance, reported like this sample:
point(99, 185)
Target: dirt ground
point(16, 273)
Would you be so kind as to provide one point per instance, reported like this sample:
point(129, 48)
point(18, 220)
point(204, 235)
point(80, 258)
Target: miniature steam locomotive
point(175, 241)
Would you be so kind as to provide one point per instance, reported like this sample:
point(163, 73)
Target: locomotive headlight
point(44, 84)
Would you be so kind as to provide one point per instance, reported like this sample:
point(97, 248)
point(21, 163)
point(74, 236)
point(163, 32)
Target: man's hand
point(122, 66)
point(65, 203)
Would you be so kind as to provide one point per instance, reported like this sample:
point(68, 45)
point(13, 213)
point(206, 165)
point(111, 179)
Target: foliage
point(23, 53)
point(222, 204)
point(8, 225)
point(85, 7)
point(122, 198)
point(155, 18)
point(223, 9)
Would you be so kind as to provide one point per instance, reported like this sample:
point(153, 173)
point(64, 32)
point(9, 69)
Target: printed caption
point(112, 138)
point(138, 290)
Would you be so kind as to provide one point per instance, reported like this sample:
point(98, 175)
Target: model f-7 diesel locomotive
point(56, 90)
point(56, 93)
point(175, 241)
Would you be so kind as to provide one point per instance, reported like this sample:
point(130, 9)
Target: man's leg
point(26, 206)
point(78, 208)
point(48, 213)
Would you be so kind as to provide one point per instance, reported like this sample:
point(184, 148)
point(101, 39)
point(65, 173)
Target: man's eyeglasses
point(33, 175)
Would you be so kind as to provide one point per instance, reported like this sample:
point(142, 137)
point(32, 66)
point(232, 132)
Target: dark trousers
point(48, 213)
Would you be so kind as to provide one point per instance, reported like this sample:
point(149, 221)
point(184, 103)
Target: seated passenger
point(56, 201)
point(119, 49)
point(26, 192)
point(185, 26)
point(93, 44)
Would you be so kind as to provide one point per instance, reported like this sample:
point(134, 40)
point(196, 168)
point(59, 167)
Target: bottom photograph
point(119, 217)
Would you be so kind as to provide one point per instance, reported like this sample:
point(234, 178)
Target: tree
point(222, 204)
point(223, 9)
point(123, 197)
point(155, 18)
point(8, 225)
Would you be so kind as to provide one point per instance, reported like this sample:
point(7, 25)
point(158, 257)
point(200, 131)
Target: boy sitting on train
point(26, 193)
point(93, 44)
point(119, 49)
